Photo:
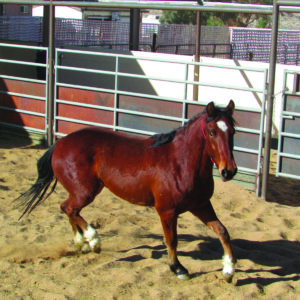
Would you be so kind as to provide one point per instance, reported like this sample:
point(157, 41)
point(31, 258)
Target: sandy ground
point(38, 260)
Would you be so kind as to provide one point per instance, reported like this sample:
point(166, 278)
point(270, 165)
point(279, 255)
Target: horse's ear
point(230, 107)
point(210, 109)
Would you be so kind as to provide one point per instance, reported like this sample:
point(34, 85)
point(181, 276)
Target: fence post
point(270, 99)
point(154, 39)
point(134, 34)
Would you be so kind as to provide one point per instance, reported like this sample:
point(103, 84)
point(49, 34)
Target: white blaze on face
point(222, 125)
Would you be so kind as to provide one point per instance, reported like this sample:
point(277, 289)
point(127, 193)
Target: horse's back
point(93, 140)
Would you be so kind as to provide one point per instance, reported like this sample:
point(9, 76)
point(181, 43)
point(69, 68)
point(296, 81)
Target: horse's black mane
point(165, 138)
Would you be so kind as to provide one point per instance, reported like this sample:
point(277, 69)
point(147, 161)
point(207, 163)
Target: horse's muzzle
point(228, 174)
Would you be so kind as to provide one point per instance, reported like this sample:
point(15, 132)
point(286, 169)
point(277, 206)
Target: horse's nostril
point(227, 174)
point(224, 173)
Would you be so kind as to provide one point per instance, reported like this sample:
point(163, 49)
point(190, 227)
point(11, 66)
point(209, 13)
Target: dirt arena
point(38, 260)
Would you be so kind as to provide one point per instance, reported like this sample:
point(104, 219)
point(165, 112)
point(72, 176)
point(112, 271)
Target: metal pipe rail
point(286, 5)
point(160, 5)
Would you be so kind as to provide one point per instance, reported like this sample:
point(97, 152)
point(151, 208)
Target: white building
point(60, 12)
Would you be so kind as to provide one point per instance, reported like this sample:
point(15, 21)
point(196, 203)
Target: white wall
point(60, 12)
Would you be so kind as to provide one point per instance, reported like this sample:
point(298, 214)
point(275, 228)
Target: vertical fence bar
point(46, 93)
point(281, 124)
point(185, 93)
point(55, 94)
point(270, 99)
point(260, 146)
point(116, 104)
point(197, 57)
point(50, 94)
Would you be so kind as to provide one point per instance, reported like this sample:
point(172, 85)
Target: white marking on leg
point(90, 233)
point(229, 266)
point(184, 277)
point(80, 243)
point(78, 240)
point(85, 248)
point(93, 239)
point(222, 125)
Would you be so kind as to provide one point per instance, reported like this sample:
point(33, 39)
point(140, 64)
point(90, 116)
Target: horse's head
point(218, 130)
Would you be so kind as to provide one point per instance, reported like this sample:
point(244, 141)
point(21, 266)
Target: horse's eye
point(212, 133)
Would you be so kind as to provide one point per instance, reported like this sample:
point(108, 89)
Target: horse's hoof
point(228, 277)
point(97, 250)
point(184, 277)
point(95, 245)
point(180, 271)
point(85, 248)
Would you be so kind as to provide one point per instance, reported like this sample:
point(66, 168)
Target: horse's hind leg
point(207, 215)
point(85, 236)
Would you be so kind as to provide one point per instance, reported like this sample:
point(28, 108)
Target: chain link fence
point(223, 42)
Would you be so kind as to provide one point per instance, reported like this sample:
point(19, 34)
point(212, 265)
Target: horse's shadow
point(279, 257)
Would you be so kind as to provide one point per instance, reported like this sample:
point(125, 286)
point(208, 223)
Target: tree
point(178, 17)
point(219, 18)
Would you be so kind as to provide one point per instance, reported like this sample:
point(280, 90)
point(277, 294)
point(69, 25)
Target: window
point(24, 9)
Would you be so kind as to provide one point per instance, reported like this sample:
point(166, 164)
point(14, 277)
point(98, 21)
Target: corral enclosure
point(142, 93)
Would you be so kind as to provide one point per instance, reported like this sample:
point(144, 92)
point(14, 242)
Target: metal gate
point(23, 98)
point(98, 94)
point(288, 160)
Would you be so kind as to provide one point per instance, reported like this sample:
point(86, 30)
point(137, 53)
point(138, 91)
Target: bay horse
point(171, 172)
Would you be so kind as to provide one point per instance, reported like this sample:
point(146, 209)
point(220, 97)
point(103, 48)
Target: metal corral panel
point(288, 163)
point(246, 140)
point(194, 109)
point(246, 160)
point(248, 119)
point(146, 123)
point(290, 166)
point(22, 120)
point(75, 107)
point(148, 106)
point(23, 87)
point(22, 104)
point(153, 106)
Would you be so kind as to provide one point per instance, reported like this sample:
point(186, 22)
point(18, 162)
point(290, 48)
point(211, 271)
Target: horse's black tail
point(36, 194)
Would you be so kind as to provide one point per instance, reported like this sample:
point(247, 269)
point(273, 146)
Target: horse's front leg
point(208, 216)
point(169, 223)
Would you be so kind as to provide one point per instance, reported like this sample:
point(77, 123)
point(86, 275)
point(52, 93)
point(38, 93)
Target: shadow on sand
point(279, 257)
